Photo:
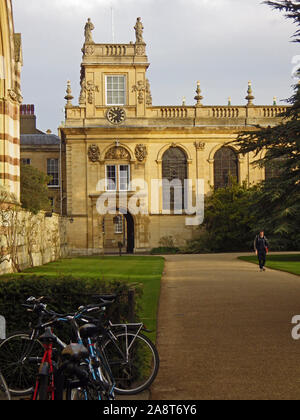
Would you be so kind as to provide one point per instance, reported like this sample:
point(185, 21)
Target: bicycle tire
point(42, 390)
point(20, 375)
point(138, 374)
point(4, 391)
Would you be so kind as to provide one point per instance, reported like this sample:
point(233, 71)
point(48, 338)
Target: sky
point(221, 43)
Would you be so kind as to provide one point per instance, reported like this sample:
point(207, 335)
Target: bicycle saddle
point(48, 337)
point(88, 331)
point(75, 352)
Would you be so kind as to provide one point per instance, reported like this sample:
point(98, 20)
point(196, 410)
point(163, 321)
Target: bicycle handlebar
point(35, 305)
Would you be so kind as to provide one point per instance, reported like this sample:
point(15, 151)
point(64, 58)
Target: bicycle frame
point(138, 327)
point(46, 369)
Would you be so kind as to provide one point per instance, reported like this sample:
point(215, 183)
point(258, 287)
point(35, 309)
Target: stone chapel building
point(115, 136)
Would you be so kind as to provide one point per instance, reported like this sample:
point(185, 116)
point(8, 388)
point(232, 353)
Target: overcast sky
point(222, 43)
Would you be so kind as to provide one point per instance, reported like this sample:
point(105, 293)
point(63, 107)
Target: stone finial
point(250, 96)
point(198, 97)
point(69, 96)
point(274, 101)
point(139, 29)
point(229, 101)
point(89, 27)
point(184, 101)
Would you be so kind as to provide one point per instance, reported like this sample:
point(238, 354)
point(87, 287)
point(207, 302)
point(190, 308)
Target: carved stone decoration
point(140, 88)
point(117, 153)
point(141, 152)
point(140, 49)
point(139, 29)
point(82, 97)
point(88, 50)
point(94, 153)
point(89, 27)
point(15, 95)
point(148, 93)
point(200, 146)
point(91, 88)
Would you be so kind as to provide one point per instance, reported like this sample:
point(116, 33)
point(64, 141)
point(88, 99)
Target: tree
point(279, 205)
point(230, 219)
point(292, 11)
point(34, 189)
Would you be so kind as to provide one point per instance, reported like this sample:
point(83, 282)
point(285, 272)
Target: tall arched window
point(273, 168)
point(174, 173)
point(225, 167)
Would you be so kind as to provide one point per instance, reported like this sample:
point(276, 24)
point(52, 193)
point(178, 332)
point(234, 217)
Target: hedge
point(63, 295)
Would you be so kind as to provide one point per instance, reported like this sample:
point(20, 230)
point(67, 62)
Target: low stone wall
point(28, 240)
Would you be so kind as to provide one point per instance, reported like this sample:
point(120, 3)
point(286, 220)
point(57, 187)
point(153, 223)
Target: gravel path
point(224, 331)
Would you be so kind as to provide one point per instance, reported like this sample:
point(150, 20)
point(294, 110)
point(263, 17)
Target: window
point(274, 168)
point(124, 177)
point(115, 90)
point(225, 167)
point(117, 175)
point(174, 170)
point(119, 225)
point(26, 161)
point(53, 171)
point(111, 178)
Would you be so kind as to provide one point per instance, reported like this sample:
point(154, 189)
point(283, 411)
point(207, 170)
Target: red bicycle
point(45, 383)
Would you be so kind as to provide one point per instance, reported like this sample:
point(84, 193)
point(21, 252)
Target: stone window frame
point(53, 171)
point(225, 166)
point(117, 177)
point(123, 103)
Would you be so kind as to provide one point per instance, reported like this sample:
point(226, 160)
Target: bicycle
point(4, 391)
point(131, 356)
point(20, 352)
point(92, 374)
point(129, 360)
point(57, 381)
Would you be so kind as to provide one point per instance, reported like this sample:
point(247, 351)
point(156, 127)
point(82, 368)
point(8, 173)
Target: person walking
point(261, 248)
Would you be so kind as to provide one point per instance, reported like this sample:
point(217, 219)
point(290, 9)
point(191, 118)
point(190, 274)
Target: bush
point(63, 295)
point(165, 250)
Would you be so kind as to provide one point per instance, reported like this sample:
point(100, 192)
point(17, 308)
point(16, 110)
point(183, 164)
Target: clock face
point(116, 115)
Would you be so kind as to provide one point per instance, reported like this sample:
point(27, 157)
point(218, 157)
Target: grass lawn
point(145, 270)
point(288, 262)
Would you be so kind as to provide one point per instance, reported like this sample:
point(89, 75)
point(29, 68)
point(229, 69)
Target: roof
point(39, 139)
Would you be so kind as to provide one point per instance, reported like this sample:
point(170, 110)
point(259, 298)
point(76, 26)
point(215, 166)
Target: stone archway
point(119, 228)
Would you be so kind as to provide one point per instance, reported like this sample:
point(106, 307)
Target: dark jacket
point(261, 244)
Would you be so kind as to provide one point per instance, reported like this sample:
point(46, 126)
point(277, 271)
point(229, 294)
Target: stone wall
point(28, 240)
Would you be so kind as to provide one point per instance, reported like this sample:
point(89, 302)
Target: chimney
point(28, 120)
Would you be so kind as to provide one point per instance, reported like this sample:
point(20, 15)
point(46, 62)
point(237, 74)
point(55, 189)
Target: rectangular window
point(115, 90)
point(124, 177)
point(111, 178)
point(53, 171)
point(26, 161)
point(117, 178)
point(119, 225)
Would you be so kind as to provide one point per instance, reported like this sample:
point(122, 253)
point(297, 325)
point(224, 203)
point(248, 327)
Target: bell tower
point(114, 85)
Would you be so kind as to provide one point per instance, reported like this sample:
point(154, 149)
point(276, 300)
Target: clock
point(116, 115)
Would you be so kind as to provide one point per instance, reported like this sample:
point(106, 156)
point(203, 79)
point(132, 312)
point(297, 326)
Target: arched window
point(174, 174)
point(225, 167)
point(273, 168)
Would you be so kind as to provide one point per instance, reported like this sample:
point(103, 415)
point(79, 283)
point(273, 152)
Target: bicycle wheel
point(19, 372)
point(4, 391)
point(42, 393)
point(135, 373)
